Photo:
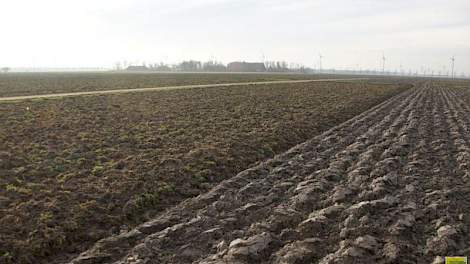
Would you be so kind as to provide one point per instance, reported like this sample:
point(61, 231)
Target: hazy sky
point(349, 33)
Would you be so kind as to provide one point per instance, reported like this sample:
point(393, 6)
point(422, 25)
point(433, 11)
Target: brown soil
point(391, 185)
point(75, 170)
point(17, 84)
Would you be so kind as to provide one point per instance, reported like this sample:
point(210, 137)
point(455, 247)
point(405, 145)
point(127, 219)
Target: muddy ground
point(75, 170)
point(16, 84)
point(391, 185)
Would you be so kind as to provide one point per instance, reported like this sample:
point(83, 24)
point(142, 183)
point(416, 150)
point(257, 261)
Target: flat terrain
point(78, 169)
point(391, 185)
point(18, 84)
point(152, 89)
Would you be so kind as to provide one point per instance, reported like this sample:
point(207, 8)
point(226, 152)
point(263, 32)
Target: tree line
point(207, 66)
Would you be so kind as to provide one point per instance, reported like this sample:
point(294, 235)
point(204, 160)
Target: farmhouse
point(137, 68)
point(246, 67)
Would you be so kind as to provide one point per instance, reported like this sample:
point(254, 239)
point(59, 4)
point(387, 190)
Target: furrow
point(314, 189)
point(451, 227)
point(248, 195)
point(388, 186)
point(377, 202)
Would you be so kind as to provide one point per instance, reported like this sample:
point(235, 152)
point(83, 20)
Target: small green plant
point(97, 170)
point(6, 256)
point(59, 168)
point(14, 188)
point(45, 217)
point(166, 188)
point(61, 178)
point(147, 200)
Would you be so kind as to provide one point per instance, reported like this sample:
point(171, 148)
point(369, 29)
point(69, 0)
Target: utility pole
point(453, 63)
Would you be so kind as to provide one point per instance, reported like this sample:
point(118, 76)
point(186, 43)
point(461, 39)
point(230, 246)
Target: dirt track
point(388, 186)
point(134, 90)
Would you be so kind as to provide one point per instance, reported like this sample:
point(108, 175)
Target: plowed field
point(17, 84)
point(75, 170)
point(391, 185)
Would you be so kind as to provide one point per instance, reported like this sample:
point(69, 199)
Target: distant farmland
point(15, 84)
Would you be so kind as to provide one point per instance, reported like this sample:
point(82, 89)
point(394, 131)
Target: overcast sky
point(349, 33)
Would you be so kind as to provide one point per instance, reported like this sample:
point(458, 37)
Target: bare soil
point(391, 185)
point(22, 84)
point(75, 170)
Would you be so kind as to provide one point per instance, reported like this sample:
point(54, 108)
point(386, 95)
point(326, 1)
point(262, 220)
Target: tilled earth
point(17, 84)
point(78, 169)
point(388, 186)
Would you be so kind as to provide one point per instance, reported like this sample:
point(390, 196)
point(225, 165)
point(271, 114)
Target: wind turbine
point(321, 57)
point(383, 63)
point(453, 63)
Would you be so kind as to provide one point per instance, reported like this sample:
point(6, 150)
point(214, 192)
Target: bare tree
point(162, 67)
point(118, 66)
point(213, 66)
point(190, 66)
